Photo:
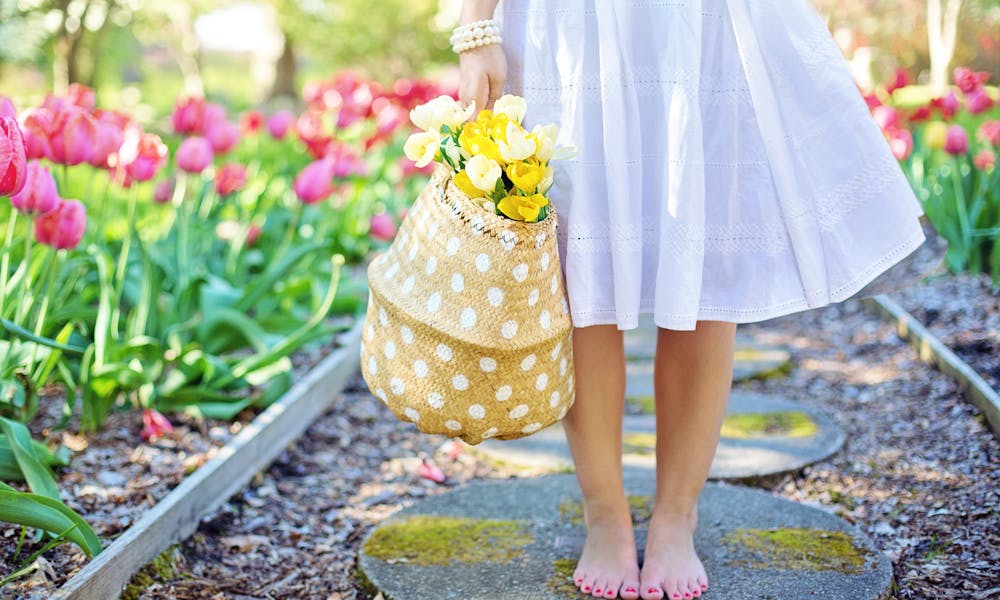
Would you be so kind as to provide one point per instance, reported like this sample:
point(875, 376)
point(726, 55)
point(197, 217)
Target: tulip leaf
point(42, 512)
point(38, 476)
point(23, 333)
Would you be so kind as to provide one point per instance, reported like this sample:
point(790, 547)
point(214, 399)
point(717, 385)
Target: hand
point(482, 74)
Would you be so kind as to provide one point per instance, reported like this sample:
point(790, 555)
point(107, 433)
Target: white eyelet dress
point(727, 169)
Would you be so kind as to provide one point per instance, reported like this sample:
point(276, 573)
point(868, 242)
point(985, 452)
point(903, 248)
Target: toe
point(587, 585)
point(600, 585)
point(702, 583)
point(629, 590)
point(671, 591)
point(612, 590)
point(694, 588)
point(651, 592)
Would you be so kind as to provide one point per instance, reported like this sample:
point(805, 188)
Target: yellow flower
point(422, 147)
point(936, 134)
point(465, 184)
point(475, 142)
point(443, 110)
point(483, 172)
point(526, 175)
point(496, 128)
point(545, 137)
point(523, 208)
point(516, 145)
point(512, 106)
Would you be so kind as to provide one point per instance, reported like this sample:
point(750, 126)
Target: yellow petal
point(465, 184)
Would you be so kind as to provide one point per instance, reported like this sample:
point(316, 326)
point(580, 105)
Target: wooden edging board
point(932, 350)
point(177, 515)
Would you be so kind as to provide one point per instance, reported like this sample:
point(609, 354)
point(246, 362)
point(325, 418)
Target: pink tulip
point(315, 182)
point(985, 159)
point(62, 227)
point(81, 96)
point(164, 191)
point(885, 116)
point(989, 132)
point(901, 143)
point(978, 101)
point(109, 140)
point(230, 178)
point(313, 134)
point(194, 154)
point(251, 122)
point(279, 123)
point(956, 141)
point(223, 136)
point(948, 104)
point(142, 154)
point(429, 470)
point(7, 108)
point(901, 78)
point(253, 234)
point(35, 125)
point(968, 80)
point(189, 116)
point(382, 227)
point(154, 425)
point(72, 137)
point(39, 194)
point(13, 163)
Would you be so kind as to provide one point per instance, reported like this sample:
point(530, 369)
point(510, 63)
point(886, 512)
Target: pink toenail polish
point(586, 588)
point(597, 591)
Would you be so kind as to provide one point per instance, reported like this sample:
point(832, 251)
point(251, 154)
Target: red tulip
point(230, 178)
point(142, 154)
point(429, 470)
point(968, 80)
point(35, 126)
point(154, 425)
point(871, 100)
point(39, 194)
point(251, 122)
point(948, 104)
point(194, 154)
point(189, 116)
point(978, 101)
point(920, 114)
point(313, 134)
point(62, 227)
point(164, 191)
point(223, 136)
point(901, 143)
point(989, 132)
point(382, 227)
point(253, 234)
point(901, 78)
point(72, 137)
point(279, 123)
point(985, 159)
point(315, 182)
point(13, 162)
point(957, 140)
point(7, 108)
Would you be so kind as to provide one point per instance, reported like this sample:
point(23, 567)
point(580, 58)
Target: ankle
point(676, 516)
point(606, 513)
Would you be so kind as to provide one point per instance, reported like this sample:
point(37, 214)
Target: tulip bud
point(230, 178)
point(382, 227)
point(154, 425)
point(989, 132)
point(985, 159)
point(39, 194)
point(223, 136)
point(62, 227)
point(901, 143)
point(251, 122)
point(164, 191)
point(956, 141)
point(7, 108)
point(194, 154)
point(315, 182)
point(13, 163)
point(279, 123)
point(978, 101)
point(935, 135)
point(142, 154)
point(73, 136)
point(35, 127)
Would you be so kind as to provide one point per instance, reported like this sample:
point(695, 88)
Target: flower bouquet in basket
point(467, 330)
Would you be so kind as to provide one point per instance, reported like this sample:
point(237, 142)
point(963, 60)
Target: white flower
point(518, 146)
point(451, 148)
point(546, 137)
point(563, 152)
point(443, 110)
point(546, 183)
point(512, 106)
point(483, 172)
point(421, 147)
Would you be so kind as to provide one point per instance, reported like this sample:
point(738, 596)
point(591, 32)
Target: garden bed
point(115, 478)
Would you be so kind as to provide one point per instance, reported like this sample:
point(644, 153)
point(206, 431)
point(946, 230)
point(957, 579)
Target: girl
point(728, 171)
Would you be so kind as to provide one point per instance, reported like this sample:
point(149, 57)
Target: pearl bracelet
point(475, 34)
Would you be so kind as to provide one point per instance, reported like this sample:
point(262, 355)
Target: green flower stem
point(5, 261)
point(180, 192)
point(24, 300)
point(122, 268)
point(54, 263)
point(960, 206)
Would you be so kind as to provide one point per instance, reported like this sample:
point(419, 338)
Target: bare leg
point(609, 564)
point(692, 380)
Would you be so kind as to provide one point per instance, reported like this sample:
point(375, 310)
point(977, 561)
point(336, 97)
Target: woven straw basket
point(467, 331)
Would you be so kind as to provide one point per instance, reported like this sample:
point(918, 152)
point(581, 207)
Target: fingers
point(474, 89)
point(496, 90)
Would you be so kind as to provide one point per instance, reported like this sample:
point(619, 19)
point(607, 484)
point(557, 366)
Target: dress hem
point(687, 322)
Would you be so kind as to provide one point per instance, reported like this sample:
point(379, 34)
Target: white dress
point(727, 168)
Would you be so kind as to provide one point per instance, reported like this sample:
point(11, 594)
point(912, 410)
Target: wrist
point(476, 10)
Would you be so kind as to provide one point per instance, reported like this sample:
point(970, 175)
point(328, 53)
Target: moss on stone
point(641, 508)
point(160, 569)
point(432, 540)
point(793, 423)
point(639, 443)
point(561, 581)
point(764, 362)
point(645, 404)
point(788, 548)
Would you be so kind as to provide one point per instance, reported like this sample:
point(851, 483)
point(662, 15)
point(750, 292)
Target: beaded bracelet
point(475, 34)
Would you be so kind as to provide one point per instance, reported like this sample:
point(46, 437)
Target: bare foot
point(671, 568)
point(609, 565)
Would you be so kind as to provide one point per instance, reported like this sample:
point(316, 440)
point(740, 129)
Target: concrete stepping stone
point(762, 435)
point(519, 539)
